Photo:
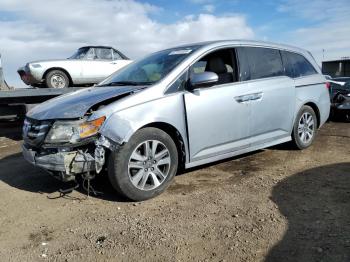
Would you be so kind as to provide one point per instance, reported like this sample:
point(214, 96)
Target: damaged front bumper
point(65, 165)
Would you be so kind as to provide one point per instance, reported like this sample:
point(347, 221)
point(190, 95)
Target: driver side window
point(90, 55)
point(221, 62)
point(103, 53)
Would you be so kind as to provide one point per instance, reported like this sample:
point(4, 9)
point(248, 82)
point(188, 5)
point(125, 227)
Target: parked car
point(87, 66)
point(341, 80)
point(340, 100)
point(180, 108)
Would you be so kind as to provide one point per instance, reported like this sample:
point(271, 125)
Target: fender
point(121, 125)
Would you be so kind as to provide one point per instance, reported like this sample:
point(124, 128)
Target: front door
point(98, 65)
point(218, 117)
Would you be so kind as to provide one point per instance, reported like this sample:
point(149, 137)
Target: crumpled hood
point(76, 104)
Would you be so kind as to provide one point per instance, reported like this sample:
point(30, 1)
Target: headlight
point(73, 131)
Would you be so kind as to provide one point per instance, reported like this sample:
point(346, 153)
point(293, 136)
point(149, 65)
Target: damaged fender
point(121, 125)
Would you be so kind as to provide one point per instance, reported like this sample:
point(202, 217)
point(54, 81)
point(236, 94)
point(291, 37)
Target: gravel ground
point(276, 204)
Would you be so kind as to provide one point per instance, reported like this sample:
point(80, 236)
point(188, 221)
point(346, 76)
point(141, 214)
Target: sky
point(39, 29)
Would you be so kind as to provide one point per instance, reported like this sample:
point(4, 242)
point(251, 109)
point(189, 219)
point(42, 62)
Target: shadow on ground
point(17, 173)
point(316, 203)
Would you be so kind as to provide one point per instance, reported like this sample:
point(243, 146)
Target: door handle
point(256, 96)
point(249, 97)
point(241, 99)
point(113, 63)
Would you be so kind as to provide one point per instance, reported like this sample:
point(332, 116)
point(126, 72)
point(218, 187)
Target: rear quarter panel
point(312, 89)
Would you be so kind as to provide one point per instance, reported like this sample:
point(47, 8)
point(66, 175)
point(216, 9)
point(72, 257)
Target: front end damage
point(62, 135)
point(67, 162)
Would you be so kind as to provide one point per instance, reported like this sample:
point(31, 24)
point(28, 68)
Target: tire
point(138, 178)
point(56, 79)
point(305, 128)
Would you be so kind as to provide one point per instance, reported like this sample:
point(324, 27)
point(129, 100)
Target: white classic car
point(89, 65)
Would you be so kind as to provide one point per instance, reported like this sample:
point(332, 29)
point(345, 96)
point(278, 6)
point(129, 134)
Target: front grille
point(35, 131)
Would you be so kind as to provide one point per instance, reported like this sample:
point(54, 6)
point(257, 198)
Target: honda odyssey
point(179, 108)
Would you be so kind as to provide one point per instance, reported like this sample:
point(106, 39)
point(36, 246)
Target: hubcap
point(58, 81)
point(149, 165)
point(306, 127)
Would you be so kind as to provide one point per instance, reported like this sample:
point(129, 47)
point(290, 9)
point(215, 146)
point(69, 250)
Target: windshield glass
point(151, 69)
point(80, 53)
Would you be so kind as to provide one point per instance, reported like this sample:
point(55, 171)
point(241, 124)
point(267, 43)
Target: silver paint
point(214, 123)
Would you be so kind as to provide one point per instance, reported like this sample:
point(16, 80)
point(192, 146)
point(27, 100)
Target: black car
point(340, 100)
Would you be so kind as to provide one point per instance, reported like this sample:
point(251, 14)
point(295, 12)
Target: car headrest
point(216, 65)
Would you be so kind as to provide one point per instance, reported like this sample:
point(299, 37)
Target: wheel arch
point(314, 107)
point(61, 69)
point(316, 110)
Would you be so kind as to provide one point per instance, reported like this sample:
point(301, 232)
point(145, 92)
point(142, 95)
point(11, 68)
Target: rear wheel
point(144, 167)
point(305, 128)
point(56, 79)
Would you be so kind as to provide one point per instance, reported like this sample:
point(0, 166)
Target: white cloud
point(54, 29)
point(209, 8)
point(330, 29)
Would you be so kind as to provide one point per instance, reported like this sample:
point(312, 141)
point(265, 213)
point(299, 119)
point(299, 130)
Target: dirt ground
point(276, 204)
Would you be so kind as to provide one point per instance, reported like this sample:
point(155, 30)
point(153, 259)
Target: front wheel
point(305, 128)
point(144, 167)
point(56, 79)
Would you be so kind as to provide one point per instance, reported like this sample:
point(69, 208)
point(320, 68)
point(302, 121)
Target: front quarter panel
point(72, 66)
point(121, 125)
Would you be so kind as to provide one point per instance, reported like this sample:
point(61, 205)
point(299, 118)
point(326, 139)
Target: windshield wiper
point(127, 83)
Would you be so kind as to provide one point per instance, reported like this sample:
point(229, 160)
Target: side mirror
point(204, 79)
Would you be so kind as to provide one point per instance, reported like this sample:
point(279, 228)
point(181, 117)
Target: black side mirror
point(205, 79)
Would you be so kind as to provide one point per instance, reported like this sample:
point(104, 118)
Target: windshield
point(80, 53)
point(151, 69)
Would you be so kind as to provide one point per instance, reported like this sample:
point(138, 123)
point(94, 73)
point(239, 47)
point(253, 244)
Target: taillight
point(328, 85)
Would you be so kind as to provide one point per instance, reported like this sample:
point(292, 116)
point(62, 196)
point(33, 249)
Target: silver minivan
point(179, 108)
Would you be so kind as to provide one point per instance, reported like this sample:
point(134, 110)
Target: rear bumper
point(67, 164)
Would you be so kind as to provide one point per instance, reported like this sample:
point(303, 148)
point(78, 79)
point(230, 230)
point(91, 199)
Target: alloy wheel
point(306, 127)
point(149, 165)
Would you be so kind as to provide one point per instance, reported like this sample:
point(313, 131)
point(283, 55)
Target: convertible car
point(87, 66)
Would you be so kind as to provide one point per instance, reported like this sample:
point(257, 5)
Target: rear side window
point(116, 55)
point(264, 62)
point(296, 65)
point(103, 53)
